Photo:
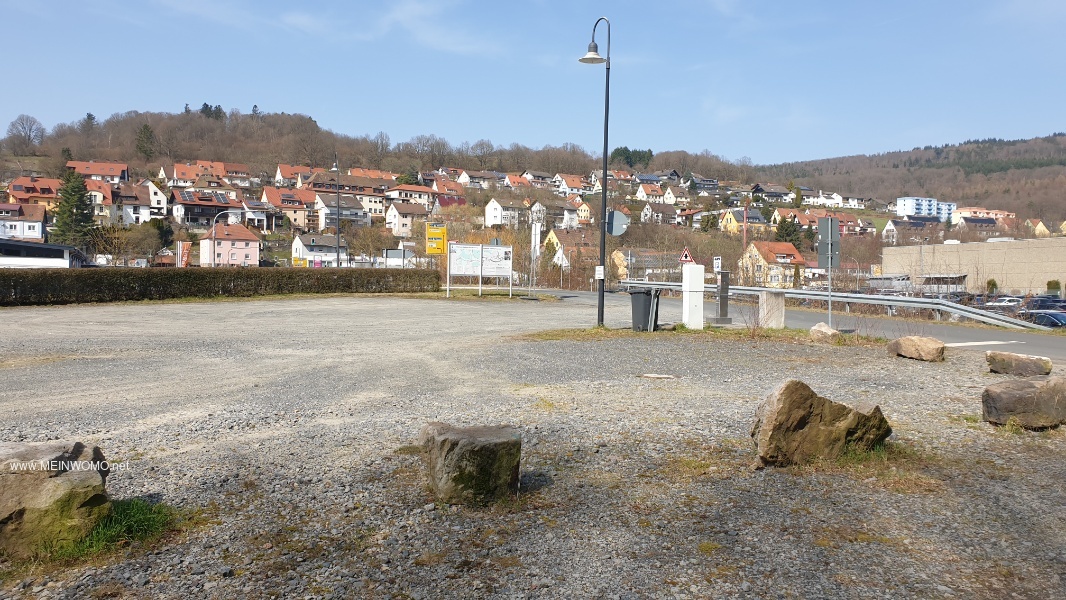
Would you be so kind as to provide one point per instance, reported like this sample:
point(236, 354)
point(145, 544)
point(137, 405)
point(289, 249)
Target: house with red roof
point(297, 205)
point(229, 245)
point(101, 171)
point(287, 175)
point(35, 190)
point(771, 264)
point(650, 192)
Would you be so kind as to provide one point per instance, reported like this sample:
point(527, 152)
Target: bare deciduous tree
point(24, 134)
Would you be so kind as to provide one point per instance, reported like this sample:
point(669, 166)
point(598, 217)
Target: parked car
point(1047, 318)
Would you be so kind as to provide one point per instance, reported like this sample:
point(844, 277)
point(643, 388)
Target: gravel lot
point(284, 422)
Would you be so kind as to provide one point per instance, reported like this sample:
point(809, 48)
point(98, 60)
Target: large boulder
point(471, 465)
point(824, 333)
point(794, 425)
point(917, 347)
point(1021, 365)
point(51, 495)
point(1033, 403)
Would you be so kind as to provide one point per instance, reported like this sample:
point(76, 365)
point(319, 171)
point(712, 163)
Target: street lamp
point(337, 236)
point(593, 58)
point(214, 234)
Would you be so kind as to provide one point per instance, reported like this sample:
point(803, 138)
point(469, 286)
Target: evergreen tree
point(788, 231)
point(74, 212)
point(146, 142)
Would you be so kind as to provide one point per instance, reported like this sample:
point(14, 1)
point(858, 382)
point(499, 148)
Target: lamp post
point(337, 232)
point(214, 234)
point(593, 58)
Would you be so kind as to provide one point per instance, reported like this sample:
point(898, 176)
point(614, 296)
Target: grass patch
point(408, 450)
point(1013, 427)
point(708, 548)
point(892, 466)
point(130, 521)
point(796, 336)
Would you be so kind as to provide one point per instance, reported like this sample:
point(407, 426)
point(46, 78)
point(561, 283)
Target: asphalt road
point(969, 335)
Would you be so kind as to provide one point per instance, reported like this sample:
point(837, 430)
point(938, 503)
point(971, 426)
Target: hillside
point(1024, 176)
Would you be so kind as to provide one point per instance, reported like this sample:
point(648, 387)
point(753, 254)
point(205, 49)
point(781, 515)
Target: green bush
point(69, 286)
point(991, 286)
point(1054, 286)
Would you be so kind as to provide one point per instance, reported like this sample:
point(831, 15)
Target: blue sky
point(773, 80)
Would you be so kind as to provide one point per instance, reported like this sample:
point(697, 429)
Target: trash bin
point(645, 305)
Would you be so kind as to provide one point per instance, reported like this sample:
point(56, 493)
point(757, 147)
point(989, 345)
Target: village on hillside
point(228, 217)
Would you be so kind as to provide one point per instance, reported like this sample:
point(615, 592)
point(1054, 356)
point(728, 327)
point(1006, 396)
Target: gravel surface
point(285, 425)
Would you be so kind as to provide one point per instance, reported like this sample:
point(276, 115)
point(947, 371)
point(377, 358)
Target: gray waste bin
point(645, 309)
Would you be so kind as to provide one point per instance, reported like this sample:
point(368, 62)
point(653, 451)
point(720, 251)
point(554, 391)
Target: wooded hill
point(1024, 176)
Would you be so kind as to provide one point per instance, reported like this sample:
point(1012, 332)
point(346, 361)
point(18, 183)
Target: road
point(968, 336)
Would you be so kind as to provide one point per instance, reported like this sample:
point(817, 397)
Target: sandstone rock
point(45, 500)
point(824, 333)
point(1033, 403)
point(471, 465)
point(1021, 365)
point(794, 425)
point(917, 347)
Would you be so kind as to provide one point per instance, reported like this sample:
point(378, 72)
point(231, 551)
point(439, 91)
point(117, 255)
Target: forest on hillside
point(262, 140)
point(1024, 176)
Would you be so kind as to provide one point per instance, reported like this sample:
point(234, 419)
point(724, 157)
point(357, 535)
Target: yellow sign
point(436, 238)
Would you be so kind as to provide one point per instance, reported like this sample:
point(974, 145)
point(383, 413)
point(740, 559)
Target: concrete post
point(692, 283)
point(772, 310)
point(723, 300)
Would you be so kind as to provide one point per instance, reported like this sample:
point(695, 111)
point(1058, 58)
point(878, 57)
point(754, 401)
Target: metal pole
point(829, 289)
point(337, 164)
point(603, 207)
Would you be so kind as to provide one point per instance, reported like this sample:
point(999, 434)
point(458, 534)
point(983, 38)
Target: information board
point(476, 260)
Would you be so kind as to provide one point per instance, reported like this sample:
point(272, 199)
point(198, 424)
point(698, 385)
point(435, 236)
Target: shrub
point(69, 286)
point(1054, 286)
point(991, 286)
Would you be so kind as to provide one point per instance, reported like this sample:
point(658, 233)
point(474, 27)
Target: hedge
point(67, 286)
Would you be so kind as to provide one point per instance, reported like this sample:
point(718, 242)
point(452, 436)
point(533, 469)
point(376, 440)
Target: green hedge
point(66, 286)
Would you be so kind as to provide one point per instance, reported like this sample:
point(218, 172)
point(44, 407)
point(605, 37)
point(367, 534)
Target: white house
point(650, 192)
point(477, 179)
point(675, 195)
point(318, 250)
point(179, 175)
point(351, 211)
point(22, 222)
point(113, 173)
point(506, 212)
point(662, 214)
point(831, 199)
point(417, 194)
point(400, 217)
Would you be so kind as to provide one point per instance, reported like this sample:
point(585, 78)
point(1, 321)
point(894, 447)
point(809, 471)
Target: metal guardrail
point(961, 310)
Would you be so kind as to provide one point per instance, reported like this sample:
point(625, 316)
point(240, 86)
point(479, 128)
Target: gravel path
point(284, 424)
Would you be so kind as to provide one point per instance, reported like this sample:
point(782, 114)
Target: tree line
point(146, 140)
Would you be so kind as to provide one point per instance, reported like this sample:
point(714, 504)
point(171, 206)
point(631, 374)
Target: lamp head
point(593, 56)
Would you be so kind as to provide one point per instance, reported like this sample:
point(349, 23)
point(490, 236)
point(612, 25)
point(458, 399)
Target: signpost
point(829, 253)
point(718, 264)
point(436, 239)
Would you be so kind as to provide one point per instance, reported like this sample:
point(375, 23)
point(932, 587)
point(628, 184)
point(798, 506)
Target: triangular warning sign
point(685, 256)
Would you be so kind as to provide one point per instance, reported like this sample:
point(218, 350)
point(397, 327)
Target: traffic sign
point(685, 256)
point(718, 264)
point(617, 222)
point(436, 238)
